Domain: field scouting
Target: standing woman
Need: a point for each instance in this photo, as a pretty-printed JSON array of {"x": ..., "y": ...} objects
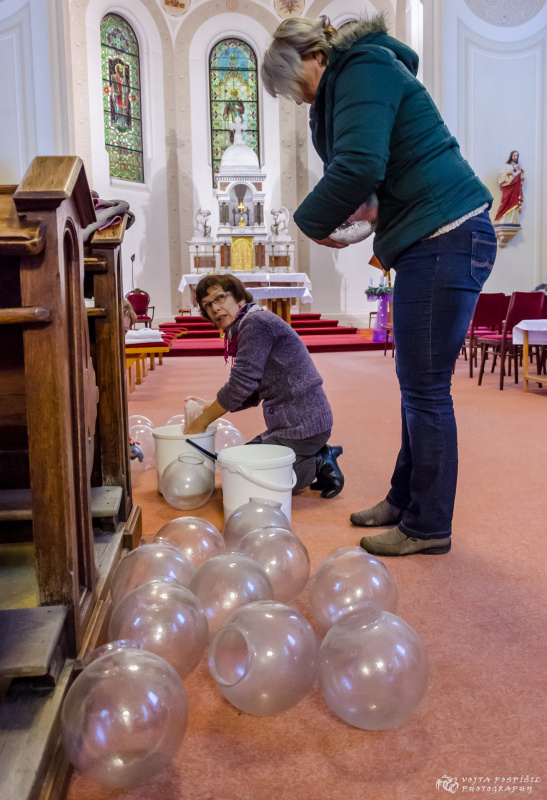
[{"x": 376, "y": 129}]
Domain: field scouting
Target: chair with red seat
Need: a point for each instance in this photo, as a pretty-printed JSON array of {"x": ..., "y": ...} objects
[
  {"x": 523, "y": 305},
  {"x": 488, "y": 318},
  {"x": 140, "y": 300}
]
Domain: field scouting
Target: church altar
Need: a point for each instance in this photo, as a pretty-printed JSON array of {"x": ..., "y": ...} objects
[
  {"x": 235, "y": 236},
  {"x": 290, "y": 280}
]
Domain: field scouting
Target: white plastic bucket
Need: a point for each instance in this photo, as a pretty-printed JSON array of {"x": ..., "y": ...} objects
[
  {"x": 170, "y": 442},
  {"x": 257, "y": 470}
]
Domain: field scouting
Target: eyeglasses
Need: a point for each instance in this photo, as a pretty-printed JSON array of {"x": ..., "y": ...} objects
[{"x": 219, "y": 300}]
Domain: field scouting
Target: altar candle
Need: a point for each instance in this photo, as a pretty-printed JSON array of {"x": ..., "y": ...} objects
[{"x": 370, "y": 282}]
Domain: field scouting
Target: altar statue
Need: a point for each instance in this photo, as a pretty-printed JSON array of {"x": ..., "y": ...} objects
[
  {"x": 202, "y": 227},
  {"x": 280, "y": 226}
]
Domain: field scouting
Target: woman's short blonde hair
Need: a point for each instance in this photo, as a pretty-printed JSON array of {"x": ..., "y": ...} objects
[{"x": 293, "y": 41}]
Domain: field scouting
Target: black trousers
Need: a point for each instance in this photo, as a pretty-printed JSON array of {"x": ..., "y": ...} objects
[{"x": 306, "y": 451}]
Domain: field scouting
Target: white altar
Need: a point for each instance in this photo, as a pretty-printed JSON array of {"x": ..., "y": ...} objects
[
  {"x": 263, "y": 279},
  {"x": 241, "y": 242},
  {"x": 289, "y": 288}
]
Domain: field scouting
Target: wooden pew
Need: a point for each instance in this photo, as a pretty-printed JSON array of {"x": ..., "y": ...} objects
[
  {"x": 55, "y": 570},
  {"x": 103, "y": 265}
]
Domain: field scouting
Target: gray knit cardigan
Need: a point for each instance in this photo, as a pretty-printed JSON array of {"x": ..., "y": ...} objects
[{"x": 272, "y": 365}]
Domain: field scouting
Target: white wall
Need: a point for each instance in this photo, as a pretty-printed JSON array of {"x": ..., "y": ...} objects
[{"x": 33, "y": 117}]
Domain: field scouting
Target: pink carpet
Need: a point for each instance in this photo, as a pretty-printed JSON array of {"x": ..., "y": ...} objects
[{"x": 480, "y": 610}]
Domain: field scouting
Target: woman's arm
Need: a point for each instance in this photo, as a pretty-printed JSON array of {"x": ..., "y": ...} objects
[
  {"x": 367, "y": 94},
  {"x": 255, "y": 342},
  {"x": 211, "y": 412}
]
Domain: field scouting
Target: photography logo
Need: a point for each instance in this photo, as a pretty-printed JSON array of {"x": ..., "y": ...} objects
[{"x": 448, "y": 784}]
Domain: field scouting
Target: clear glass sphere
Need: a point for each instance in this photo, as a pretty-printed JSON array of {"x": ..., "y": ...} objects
[
  {"x": 228, "y": 436},
  {"x": 264, "y": 658},
  {"x": 197, "y": 538},
  {"x": 373, "y": 669},
  {"x": 283, "y": 557},
  {"x": 222, "y": 423},
  {"x": 348, "y": 579},
  {"x": 140, "y": 419},
  {"x": 257, "y": 513},
  {"x": 226, "y": 582},
  {"x": 124, "y": 718},
  {"x": 153, "y": 561},
  {"x": 187, "y": 482},
  {"x": 165, "y": 619},
  {"x": 178, "y": 419},
  {"x": 110, "y": 647},
  {"x": 143, "y": 435}
]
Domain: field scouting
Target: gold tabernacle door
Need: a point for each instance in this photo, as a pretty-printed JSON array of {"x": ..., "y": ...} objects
[{"x": 243, "y": 253}]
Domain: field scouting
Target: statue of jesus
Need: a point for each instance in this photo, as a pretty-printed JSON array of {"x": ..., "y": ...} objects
[{"x": 511, "y": 179}]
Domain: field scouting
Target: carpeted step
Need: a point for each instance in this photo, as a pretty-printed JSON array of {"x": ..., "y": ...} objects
[
  {"x": 340, "y": 343},
  {"x": 214, "y": 333},
  {"x": 313, "y": 323},
  {"x": 325, "y": 331},
  {"x": 315, "y": 343},
  {"x": 190, "y": 318}
]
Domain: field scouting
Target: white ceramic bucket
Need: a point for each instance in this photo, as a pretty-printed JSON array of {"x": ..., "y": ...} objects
[
  {"x": 170, "y": 442},
  {"x": 257, "y": 470}
]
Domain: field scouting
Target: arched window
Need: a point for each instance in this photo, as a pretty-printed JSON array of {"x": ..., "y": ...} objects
[
  {"x": 122, "y": 99},
  {"x": 233, "y": 84}
]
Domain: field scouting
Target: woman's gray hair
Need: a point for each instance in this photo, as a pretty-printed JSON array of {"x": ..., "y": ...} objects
[{"x": 293, "y": 41}]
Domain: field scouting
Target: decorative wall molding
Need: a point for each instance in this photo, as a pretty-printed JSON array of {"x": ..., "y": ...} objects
[
  {"x": 385, "y": 7},
  {"x": 505, "y": 13},
  {"x": 18, "y": 139}
]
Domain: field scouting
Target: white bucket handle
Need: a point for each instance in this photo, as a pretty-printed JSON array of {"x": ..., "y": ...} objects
[{"x": 274, "y": 487}]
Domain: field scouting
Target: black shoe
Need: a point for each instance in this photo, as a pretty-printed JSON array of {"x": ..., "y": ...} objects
[
  {"x": 329, "y": 475},
  {"x": 317, "y": 485}
]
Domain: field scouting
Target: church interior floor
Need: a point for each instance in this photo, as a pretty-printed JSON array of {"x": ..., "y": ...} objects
[{"x": 480, "y": 610}]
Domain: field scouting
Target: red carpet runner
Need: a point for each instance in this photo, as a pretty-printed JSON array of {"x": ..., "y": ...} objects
[{"x": 200, "y": 338}]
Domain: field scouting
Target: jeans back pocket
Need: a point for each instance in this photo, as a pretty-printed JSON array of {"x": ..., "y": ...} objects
[{"x": 483, "y": 255}]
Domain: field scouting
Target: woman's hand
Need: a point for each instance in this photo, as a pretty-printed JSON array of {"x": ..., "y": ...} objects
[
  {"x": 328, "y": 242},
  {"x": 368, "y": 212},
  {"x": 211, "y": 411},
  {"x": 197, "y": 426}
]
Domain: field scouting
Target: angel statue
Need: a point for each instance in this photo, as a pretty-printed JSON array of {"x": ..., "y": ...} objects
[
  {"x": 280, "y": 225},
  {"x": 202, "y": 228}
]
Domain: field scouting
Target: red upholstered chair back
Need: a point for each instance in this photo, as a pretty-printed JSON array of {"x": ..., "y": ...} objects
[
  {"x": 506, "y": 301},
  {"x": 544, "y": 307},
  {"x": 523, "y": 305},
  {"x": 139, "y": 300},
  {"x": 489, "y": 311}
]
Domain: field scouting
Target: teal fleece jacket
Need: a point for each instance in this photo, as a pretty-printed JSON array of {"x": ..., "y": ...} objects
[{"x": 376, "y": 129}]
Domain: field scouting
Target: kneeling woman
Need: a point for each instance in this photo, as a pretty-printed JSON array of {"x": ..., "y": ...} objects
[{"x": 270, "y": 363}]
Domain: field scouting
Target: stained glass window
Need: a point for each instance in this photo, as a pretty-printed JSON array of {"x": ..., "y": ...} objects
[
  {"x": 122, "y": 99},
  {"x": 233, "y": 84}
]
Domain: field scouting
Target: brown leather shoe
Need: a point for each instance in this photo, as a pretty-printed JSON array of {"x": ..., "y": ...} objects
[
  {"x": 394, "y": 542},
  {"x": 379, "y": 516}
]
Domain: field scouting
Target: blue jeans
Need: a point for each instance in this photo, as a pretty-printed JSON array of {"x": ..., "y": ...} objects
[{"x": 437, "y": 286}]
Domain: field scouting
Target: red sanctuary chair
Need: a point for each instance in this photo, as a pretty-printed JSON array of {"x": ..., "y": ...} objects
[
  {"x": 523, "y": 305},
  {"x": 140, "y": 300},
  {"x": 488, "y": 318}
]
